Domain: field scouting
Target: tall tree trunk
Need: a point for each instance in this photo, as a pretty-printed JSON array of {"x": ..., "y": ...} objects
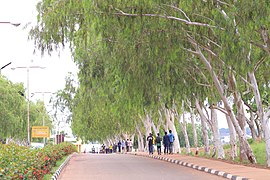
[
  {"x": 216, "y": 134},
  {"x": 264, "y": 117},
  {"x": 242, "y": 138},
  {"x": 266, "y": 130},
  {"x": 147, "y": 125},
  {"x": 140, "y": 139},
  {"x": 232, "y": 138},
  {"x": 165, "y": 123},
  {"x": 183, "y": 124},
  {"x": 240, "y": 114},
  {"x": 155, "y": 128},
  {"x": 204, "y": 128},
  {"x": 139, "y": 143},
  {"x": 194, "y": 130},
  {"x": 252, "y": 126},
  {"x": 184, "y": 130},
  {"x": 259, "y": 129},
  {"x": 170, "y": 119}
]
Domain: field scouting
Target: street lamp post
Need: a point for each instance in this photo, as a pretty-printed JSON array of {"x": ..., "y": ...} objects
[
  {"x": 11, "y": 23},
  {"x": 43, "y": 94},
  {"x": 43, "y": 114},
  {"x": 28, "y": 98},
  {"x": 4, "y": 67}
]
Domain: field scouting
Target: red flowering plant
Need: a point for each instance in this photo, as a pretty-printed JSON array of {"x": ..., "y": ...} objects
[{"x": 18, "y": 162}]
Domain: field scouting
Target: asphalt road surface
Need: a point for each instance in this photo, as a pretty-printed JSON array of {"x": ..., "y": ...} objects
[{"x": 127, "y": 167}]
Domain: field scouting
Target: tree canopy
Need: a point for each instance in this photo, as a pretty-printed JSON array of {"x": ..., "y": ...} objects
[{"x": 135, "y": 56}]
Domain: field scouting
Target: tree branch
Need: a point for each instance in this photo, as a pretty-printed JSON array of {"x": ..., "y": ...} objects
[
  {"x": 189, "y": 50},
  {"x": 241, "y": 77},
  {"x": 219, "y": 108},
  {"x": 201, "y": 84},
  {"x": 263, "y": 47},
  {"x": 267, "y": 114},
  {"x": 176, "y": 8},
  {"x": 259, "y": 63},
  {"x": 121, "y": 13},
  {"x": 249, "y": 106}
]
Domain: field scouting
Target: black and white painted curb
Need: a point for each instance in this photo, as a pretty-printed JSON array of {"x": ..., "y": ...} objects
[
  {"x": 197, "y": 167},
  {"x": 57, "y": 173}
]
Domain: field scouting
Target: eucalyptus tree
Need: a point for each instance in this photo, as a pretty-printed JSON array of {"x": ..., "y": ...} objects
[
  {"x": 13, "y": 110},
  {"x": 38, "y": 114},
  {"x": 141, "y": 71},
  {"x": 13, "y": 114},
  {"x": 144, "y": 41}
]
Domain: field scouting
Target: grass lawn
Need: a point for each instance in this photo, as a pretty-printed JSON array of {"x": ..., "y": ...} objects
[
  {"x": 54, "y": 169},
  {"x": 259, "y": 152},
  {"x": 257, "y": 147}
]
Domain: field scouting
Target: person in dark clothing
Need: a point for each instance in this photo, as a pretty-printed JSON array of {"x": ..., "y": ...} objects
[
  {"x": 127, "y": 145},
  {"x": 158, "y": 142},
  {"x": 119, "y": 146},
  {"x": 166, "y": 143},
  {"x": 150, "y": 143}
]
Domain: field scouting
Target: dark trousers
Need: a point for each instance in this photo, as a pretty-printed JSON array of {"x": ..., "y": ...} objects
[
  {"x": 171, "y": 147},
  {"x": 150, "y": 148},
  {"x": 166, "y": 148},
  {"x": 159, "y": 150}
]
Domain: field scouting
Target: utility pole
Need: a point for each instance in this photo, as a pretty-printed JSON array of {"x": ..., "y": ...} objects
[{"x": 28, "y": 98}]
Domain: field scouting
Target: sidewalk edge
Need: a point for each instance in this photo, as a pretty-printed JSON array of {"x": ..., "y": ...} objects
[
  {"x": 59, "y": 170},
  {"x": 196, "y": 167}
]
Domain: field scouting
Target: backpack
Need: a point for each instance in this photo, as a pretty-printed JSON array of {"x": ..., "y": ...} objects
[
  {"x": 154, "y": 140},
  {"x": 171, "y": 136},
  {"x": 158, "y": 141}
]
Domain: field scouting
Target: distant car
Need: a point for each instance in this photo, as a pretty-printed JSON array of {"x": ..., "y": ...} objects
[{"x": 36, "y": 145}]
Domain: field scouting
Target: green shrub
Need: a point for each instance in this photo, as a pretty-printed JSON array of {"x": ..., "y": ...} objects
[
  {"x": 250, "y": 141},
  {"x": 18, "y": 162},
  {"x": 259, "y": 152}
]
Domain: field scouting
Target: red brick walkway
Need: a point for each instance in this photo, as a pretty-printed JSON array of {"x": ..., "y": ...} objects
[{"x": 239, "y": 170}]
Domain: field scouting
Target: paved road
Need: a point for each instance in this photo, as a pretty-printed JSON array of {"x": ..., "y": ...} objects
[{"x": 127, "y": 167}]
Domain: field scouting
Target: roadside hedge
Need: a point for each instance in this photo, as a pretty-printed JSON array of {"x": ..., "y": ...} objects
[{"x": 18, "y": 162}]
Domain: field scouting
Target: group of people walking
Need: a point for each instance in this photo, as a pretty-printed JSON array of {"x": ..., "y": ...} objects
[
  {"x": 125, "y": 146},
  {"x": 121, "y": 147},
  {"x": 167, "y": 142}
]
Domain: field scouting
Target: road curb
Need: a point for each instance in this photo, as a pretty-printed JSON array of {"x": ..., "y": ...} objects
[
  {"x": 59, "y": 170},
  {"x": 197, "y": 167}
]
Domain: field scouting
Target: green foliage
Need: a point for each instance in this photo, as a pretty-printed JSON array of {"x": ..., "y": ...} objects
[
  {"x": 259, "y": 152},
  {"x": 13, "y": 114},
  {"x": 190, "y": 136},
  {"x": 54, "y": 169},
  {"x": 18, "y": 162},
  {"x": 13, "y": 108},
  {"x": 133, "y": 58}
]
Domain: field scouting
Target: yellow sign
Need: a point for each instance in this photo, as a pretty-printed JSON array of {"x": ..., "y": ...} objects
[{"x": 40, "y": 131}]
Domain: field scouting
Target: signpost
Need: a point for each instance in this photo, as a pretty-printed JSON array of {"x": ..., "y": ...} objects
[{"x": 40, "y": 132}]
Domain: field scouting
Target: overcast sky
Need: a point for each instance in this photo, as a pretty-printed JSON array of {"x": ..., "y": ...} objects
[{"x": 15, "y": 48}]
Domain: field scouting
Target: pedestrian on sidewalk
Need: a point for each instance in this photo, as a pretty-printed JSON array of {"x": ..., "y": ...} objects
[
  {"x": 171, "y": 137},
  {"x": 150, "y": 143},
  {"x": 130, "y": 145},
  {"x": 158, "y": 142},
  {"x": 123, "y": 146},
  {"x": 166, "y": 142},
  {"x": 119, "y": 146},
  {"x": 127, "y": 145}
]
